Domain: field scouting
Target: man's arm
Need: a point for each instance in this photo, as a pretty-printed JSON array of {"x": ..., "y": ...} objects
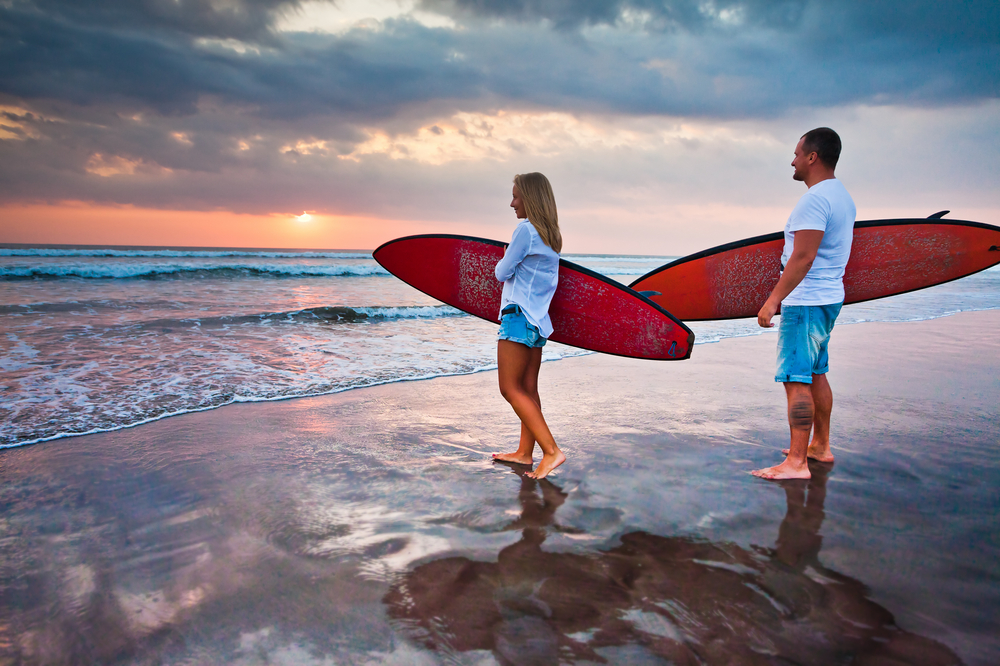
[{"x": 804, "y": 250}]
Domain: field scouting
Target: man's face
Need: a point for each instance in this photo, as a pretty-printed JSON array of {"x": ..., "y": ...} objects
[{"x": 802, "y": 161}]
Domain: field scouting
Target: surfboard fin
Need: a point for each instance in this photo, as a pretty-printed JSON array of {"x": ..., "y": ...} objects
[{"x": 938, "y": 215}]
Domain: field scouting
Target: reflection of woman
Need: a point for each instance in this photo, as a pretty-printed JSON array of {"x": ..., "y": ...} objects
[
  {"x": 681, "y": 599},
  {"x": 529, "y": 271}
]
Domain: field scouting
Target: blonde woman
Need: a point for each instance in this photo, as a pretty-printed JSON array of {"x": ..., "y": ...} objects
[{"x": 529, "y": 271}]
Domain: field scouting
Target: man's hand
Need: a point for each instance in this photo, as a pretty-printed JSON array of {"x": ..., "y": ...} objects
[
  {"x": 765, "y": 314},
  {"x": 804, "y": 250}
]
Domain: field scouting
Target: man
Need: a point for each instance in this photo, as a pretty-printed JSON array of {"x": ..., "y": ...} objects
[{"x": 810, "y": 291}]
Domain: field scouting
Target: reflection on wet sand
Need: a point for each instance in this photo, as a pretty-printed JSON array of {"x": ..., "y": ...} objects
[
  {"x": 147, "y": 574},
  {"x": 679, "y": 599}
]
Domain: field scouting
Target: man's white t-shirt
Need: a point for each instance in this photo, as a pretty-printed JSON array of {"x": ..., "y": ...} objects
[{"x": 826, "y": 207}]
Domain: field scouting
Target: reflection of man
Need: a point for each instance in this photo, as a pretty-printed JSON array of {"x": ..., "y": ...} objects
[
  {"x": 799, "y": 539},
  {"x": 810, "y": 292}
]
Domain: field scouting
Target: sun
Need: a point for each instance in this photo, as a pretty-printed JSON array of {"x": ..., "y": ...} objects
[{"x": 304, "y": 217}]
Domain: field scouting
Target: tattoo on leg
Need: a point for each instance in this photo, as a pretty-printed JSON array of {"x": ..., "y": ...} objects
[{"x": 801, "y": 414}]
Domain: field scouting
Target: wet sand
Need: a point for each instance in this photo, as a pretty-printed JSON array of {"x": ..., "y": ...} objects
[{"x": 371, "y": 526}]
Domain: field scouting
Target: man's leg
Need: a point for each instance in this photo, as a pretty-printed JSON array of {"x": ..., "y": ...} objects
[
  {"x": 801, "y": 412},
  {"x": 822, "y": 395}
]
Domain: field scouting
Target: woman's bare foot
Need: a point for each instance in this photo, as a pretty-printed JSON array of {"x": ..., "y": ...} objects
[
  {"x": 816, "y": 453},
  {"x": 548, "y": 464},
  {"x": 514, "y": 457},
  {"x": 783, "y": 471}
]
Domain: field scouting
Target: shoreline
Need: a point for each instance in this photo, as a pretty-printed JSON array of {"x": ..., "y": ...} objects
[
  {"x": 389, "y": 382},
  {"x": 266, "y": 524}
]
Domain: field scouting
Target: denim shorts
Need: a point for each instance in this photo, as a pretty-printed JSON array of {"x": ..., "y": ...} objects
[
  {"x": 514, "y": 326},
  {"x": 803, "y": 336}
]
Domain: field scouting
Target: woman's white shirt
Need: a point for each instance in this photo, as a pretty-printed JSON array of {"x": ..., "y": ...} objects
[{"x": 529, "y": 271}]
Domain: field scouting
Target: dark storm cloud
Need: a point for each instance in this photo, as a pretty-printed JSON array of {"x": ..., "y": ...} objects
[
  {"x": 219, "y": 72},
  {"x": 929, "y": 21},
  {"x": 235, "y": 19},
  {"x": 788, "y": 53},
  {"x": 663, "y": 15},
  {"x": 47, "y": 58}
]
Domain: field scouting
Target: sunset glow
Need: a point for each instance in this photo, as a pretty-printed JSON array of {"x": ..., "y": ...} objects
[
  {"x": 328, "y": 124},
  {"x": 81, "y": 223}
]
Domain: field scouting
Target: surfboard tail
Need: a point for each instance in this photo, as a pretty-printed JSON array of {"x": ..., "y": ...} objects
[{"x": 888, "y": 257}]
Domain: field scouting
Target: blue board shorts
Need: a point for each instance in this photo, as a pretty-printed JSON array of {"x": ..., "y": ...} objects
[
  {"x": 803, "y": 336},
  {"x": 514, "y": 326}
]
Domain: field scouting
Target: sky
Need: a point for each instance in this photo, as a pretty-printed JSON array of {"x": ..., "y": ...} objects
[{"x": 665, "y": 126}]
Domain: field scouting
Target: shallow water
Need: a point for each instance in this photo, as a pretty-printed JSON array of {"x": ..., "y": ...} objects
[
  {"x": 96, "y": 339},
  {"x": 373, "y": 529}
]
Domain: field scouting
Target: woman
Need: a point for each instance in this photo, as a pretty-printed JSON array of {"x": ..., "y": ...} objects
[{"x": 529, "y": 271}]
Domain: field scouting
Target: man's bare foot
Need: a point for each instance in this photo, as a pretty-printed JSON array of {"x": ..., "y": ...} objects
[
  {"x": 548, "y": 464},
  {"x": 514, "y": 457},
  {"x": 783, "y": 471},
  {"x": 814, "y": 453}
]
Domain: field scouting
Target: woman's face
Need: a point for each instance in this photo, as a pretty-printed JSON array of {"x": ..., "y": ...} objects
[{"x": 518, "y": 205}]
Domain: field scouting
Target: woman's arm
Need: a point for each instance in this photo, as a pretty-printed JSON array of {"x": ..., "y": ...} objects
[{"x": 515, "y": 253}]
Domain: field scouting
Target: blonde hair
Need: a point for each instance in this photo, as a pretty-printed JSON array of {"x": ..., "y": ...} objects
[{"x": 540, "y": 205}]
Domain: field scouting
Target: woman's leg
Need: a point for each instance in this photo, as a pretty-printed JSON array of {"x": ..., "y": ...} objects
[
  {"x": 530, "y": 384},
  {"x": 518, "y": 373},
  {"x": 525, "y": 453},
  {"x": 516, "y": 376}
]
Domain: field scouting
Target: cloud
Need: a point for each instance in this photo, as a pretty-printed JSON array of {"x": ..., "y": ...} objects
[
  {"x": 603, "y": 162},
  {"x": 361, "y": 75},
  {"x": 659, "y": 109},
  {"x": 761, "y": 61},
  {"x": 234, "y": 19},
  {"x": 929, "y": 22},
  {"x": 696, "y": 15}
]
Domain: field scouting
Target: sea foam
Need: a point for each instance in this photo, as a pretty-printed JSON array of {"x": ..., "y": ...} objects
[{"x": 185, "y": 269}]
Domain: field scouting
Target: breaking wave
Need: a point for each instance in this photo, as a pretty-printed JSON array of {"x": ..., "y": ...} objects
[
  {"x": 182, "y": 270},
  {"x": 180, "y": 253}
]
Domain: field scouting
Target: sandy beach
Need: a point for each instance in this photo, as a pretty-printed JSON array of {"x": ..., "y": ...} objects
[{"x": 370, "y": 526}]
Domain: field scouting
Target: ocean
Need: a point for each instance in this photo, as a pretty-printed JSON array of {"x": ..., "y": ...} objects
[{"x": 102, "y": 338}]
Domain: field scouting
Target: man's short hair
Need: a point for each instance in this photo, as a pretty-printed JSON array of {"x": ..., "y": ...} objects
[{"x": 825, "y": 143}]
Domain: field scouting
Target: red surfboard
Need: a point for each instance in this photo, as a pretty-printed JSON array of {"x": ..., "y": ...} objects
[
  {"x": 888, "y": 257},
  {"x": 588, "y": 310}
]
